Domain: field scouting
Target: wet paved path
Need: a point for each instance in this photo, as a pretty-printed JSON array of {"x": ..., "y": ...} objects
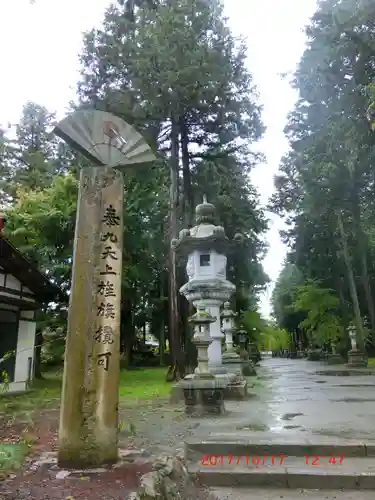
[{"x": 292, "y": 399}]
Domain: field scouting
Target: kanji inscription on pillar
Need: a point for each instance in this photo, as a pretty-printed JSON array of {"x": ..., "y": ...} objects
[{"x": 108, "y": 285}]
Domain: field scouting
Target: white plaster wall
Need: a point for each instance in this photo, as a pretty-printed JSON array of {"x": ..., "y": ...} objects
[
  {"x": 25, "y": 349},
  {"x": 27, "y": 315},
  {"x": 15, "y": 387},
  {"x": 8, "y": 306},
  {"x": 13, "y": 282}
]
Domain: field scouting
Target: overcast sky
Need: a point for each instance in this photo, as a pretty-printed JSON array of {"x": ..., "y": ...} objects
[{"x": 40, "y": 42}]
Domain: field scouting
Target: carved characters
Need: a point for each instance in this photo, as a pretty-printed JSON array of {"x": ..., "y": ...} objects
[{"x": 107, "y": 286}]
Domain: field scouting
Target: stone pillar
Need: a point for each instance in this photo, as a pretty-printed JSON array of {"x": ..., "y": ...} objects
[
  {"x": 108, "y": 312},
  {"x": 88, "y": 416},
  {"x": 77, "y": 399}
]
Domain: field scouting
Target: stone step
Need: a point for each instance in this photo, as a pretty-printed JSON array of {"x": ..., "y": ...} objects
[
  {"x": 293, "y": 472},
  {"x": 195, "y": 449},
  {"x": 288, "y": 494}
]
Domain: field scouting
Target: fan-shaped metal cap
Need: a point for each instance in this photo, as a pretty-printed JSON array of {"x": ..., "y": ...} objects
[{"x": 104, "y": 138}]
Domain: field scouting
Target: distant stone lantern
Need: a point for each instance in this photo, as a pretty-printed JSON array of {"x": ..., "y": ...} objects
[
  {"x": 231, "y": 359},
  {"x": 352, "y": 332},
  {"x": 356, "y": 357},
  {"x": 242, "y": 338},
  {"x": 227, "y": 317}
]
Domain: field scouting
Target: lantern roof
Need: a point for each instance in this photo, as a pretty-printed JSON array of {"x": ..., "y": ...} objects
[{"x": 205, "y": 235}]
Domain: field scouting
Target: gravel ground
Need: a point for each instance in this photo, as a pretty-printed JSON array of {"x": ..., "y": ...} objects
[{"x": 151, "y": 427}]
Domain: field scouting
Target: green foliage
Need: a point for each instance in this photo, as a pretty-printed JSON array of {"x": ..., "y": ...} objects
[
  {"x": 274, "y": 338},
  {"x": 328, "y": 173},
  {"x": 159, "y": 65},
  {"x": 41, "y": 225},
  {"x": 321, "y": 308}
]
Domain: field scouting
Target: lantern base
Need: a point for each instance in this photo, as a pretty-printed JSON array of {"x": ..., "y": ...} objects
[
  {"x": 236, "y": 391},
  {"x": 356, "y": 359},
  {"x": 248, "y": 368},
  {"x": 334, "y": 359},
  {"x": 204, "y": 396}
]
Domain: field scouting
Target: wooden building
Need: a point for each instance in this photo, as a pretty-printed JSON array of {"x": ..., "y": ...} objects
[{"x": 23, "y": 288}]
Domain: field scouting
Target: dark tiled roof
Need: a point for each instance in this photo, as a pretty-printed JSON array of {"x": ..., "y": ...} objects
[{"x": 13, "y": 262}]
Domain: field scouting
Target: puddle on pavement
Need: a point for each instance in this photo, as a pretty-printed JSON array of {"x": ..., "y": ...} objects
[
  {"x": 253, "y": 427},
  {"x": 353, "y": 385},
  {"x": 345, "y": 373},
  {"x": 290, "y": 416},
  {"x": 346, "y": 434},
  {"x": 353, "y": 400}
]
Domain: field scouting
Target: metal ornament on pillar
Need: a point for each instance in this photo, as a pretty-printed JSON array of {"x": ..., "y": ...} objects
[{"x": 206, "y": 246}]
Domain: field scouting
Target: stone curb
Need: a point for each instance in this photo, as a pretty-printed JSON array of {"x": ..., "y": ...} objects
[{"x": 286, "y": 478}]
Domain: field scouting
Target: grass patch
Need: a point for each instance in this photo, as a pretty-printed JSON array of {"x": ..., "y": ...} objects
[
  {"x": 144, "y": 383},
  {"x": 12, "y": 456},
  {"x": 43, "y": 394},
  {"x": 371, "y": 362}
]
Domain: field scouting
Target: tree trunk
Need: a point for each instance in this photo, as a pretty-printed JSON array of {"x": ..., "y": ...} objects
[
  {"x": 187, "y": 188},
  {"x": 162, "y": 332},
  {"x": 352, "y": 286},
  {"x": 174, "y": 333}
]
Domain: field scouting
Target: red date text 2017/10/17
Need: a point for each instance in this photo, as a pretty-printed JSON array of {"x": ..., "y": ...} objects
[{"x": 258, "y": 461}]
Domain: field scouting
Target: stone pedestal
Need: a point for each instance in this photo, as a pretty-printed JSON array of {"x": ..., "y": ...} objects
[
  {"x": 204, "y": 396},
  {"x": 248, "y": 368},
  {"x": 314, "y": 355},
  {"x": 232, "y": 363},
  {"x": 356, "y": 358},
  {"x": 236, "y": 391},
  {"x": 334, "y": 359}
]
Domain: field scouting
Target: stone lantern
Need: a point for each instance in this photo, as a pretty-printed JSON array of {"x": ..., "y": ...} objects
[
  {"x": 205, "y": 246},
  {"x": 334, "y": 357},
  {"x": 356, "y": 358},
  {"x": 201, "y": 321},
  {"x": 247, "y": 365},
  {"x": 203, "y": 391},
  {"x": 231, "y": 359}
]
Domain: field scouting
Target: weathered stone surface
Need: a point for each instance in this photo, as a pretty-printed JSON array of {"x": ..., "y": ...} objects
[
  {"x": 357, "y": 359},
  {"x": 248, "y": 368},
  {"x": 150, "y": 486},
  {"x": 236, "y": 391},
  {"x": 169, "y": 489},
  {"x": 314, "y": 355},
  {"x": 334, "y": 359},
  {"x": 167, "y": 482},
  {"x": 176, "y": 394}
]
